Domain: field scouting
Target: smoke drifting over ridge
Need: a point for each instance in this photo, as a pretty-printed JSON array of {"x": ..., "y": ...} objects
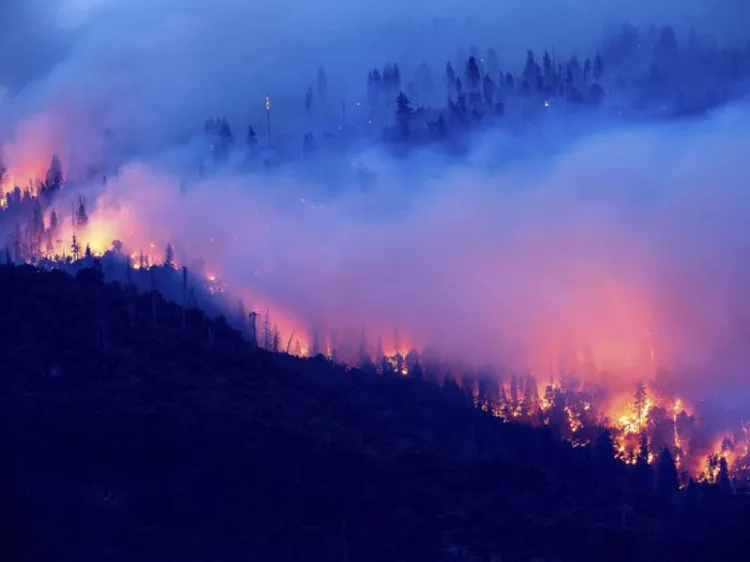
[
  {"x": 620, "y": 235},
  {"x": 625, "y": 234},
  {"x": 149, "y": 70}
]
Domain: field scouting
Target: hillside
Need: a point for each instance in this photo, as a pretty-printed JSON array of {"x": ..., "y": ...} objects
[{"x": 134, "y": 430}]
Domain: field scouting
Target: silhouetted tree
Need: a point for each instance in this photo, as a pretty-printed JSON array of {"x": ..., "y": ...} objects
[
  {"x": 450, "y": 79},
  {"x": 54, "y": 177},
  {"x": 81, "y": 217},
  {"x": 604, "y": 450},
  {"x": 396, "y": 77},
  {"x": 723, "y": 480},
  {"x": 404, "y": 113},
  {"x": 547, "y": 67},
  {"x": 169, "y": 257},
  {"x": 472, "y": 74},
  {"x": 667, "y": 479},
  {"x": 252, "y": 138}
]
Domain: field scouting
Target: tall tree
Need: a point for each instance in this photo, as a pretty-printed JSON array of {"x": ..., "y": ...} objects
[
  {"x": 404, "y": 113},
  {"x": 252, "y": 138},
  {"x": 54, "y": 177},
  {"x": 396, "y": 77},
  {"x": 667, "y": 479},
  {"x": 547, "y": 68},
  {"x": 81, "y": 218},
  {"x": 450, "y": 78},
  {"x": 169, "y": 257},
  {"x": 472, "y": 74},
  {"x": 723, "y": 480}
]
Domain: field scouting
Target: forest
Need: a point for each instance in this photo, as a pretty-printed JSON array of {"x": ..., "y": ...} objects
[
  {"x": 149, "y": 413},
  {"x": 134, "y": 428}
]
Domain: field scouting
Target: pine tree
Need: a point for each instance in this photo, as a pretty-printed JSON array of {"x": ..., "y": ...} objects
[
  {"x": 396, "y": 77},
  {"x": 403, "y": 114},
  {"x": 169, "y": 257},
  {"x": 54, "y": 178},
  {"x": 643, "y": 449},
  {"x": 450, "y": 78},
  {"x": 472, "y": 75},
  {"x": 547, "y": 67},
  {"x": 252, "y": 138},
  {"x": 87, "y": 254},
  {"x": 723, "y": 480},
  {"x": 529, "y": 70},
  {"x": 667, "y": 479},
  {"x": 604, "y": 450},
  {"x": 81, "y": 218},
  {"x": 54, "y": 223}
]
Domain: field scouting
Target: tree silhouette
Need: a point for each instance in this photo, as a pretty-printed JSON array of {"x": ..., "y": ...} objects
[
  {"x": 450, "y": 78},
  {"x": 472, "y": 74},
  {"x": 54, "y": 178},
  {"x": 81, "y": 218},
  {"x": 667, "y": 480},
  {"x": 404, "y": 113},
  {"x": 169, "y": 257}
]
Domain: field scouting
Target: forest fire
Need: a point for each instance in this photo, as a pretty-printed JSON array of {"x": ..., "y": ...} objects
[{"x": 583, "y": 396}]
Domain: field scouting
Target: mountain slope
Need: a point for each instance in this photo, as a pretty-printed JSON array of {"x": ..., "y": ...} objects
[{"x": 133, "y": 432}]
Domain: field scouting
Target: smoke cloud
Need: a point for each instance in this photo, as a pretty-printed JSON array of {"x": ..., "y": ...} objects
[{"x": 629, "y": 241}]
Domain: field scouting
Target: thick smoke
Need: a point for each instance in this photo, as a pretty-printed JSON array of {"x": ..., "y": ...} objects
[
  {"x": 631, "y": 241},
  {"x": 624, "y": 241}
]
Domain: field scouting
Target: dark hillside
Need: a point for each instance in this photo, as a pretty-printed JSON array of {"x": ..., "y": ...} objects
[{"x": 134, "y": 431}]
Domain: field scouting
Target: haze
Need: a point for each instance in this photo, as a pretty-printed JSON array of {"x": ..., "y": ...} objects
[{"x": 608, "y": 238}]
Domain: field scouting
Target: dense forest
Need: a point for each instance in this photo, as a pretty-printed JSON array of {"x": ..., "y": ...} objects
[
  {"x": 147, "y": 415},
  {"x": 135, "y": 429}
]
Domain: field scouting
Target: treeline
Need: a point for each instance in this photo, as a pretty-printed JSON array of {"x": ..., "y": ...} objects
[{"x": 636, "y": 74}]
